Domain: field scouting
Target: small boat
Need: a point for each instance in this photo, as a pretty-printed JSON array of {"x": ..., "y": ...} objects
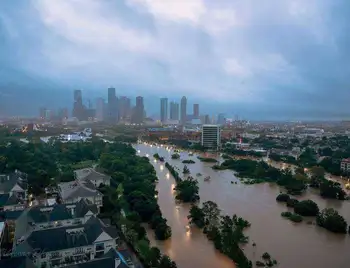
[
  {"x": 198, "y": 174},
  {"x": 207, "y": 178}
]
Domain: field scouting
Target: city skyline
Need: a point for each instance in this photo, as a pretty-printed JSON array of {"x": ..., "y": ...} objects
[{"x": 300, "y": 62}]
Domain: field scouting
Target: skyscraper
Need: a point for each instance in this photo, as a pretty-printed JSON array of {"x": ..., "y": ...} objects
[
  {"x": 221, "y": 119},
  {"x": 139, "y": 109},
  {"x": 78, "y": 107},
  {"x": 174, "y": 111},
  {"x": 124, "y": 108},
  {"x": 183, "y": 110},
  {"x": 112, "y": 106},
  {"x": 163, "y": 110},
  {"x": 196, "y": 111},
  {"x": 100, "y": 109}
]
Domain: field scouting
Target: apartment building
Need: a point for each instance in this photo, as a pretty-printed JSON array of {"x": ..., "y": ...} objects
[{"x": 211, "y": 136}]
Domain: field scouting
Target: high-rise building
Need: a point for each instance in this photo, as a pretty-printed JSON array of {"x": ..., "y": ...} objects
[
  {"x": 78, "y": 106},
  {"x": 196, "y": 111},
  {"x": 174, "y": 111},
  {"x": 112, "y": 106},
  {"x": 163, "y": 110},
  {"x": 124, "y": 108},
  {"x": 100, "y": 109},
  {"x": 183, "y": 117},
  {"x": 139, "y": 111},
  {"x": 211, "y": 136},
  {"x": 221, "y": 119},
  {"x": 42, "y": 112}
]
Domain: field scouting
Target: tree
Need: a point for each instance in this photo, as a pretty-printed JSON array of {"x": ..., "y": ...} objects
[
  {"x": 282, "y": 198},
  {"x": 330, "y": 189},
  {"x": 306, "y": 208},
  {"x": 186, "y": 170},
  {"x": 330, "y": 219},
  {"x": 162, "y": 231},
  {"x": 196, "y": 216},
  {"x": 166, "y": 262},
  {"x": 211, "y": 212}
]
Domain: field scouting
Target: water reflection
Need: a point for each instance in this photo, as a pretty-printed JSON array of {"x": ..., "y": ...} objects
[{"x": 161, "y": 167}]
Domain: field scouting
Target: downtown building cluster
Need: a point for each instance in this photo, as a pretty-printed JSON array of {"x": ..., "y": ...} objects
[{"x": 115, "y": 110}]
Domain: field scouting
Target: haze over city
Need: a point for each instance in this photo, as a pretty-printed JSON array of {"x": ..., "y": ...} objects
[{"x": 277, "y": 60}]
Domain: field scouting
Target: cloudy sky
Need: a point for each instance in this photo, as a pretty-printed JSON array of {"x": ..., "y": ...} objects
[{"x": 271, "y": 58}]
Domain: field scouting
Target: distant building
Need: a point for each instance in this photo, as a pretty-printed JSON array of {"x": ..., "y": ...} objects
[
  {"x": 163, "y": 110},
  {"x": 221, "y": 119},
  {"x": 124, "y": 108},
  {"x": 174, "y": 111},
  {"x": 112, "y": 109},
  {"x": 211, "y": 136},
  {"x": 78, "y": 107},
  {"x": 139, "y": 111},
  {"x": 183, "y": 117},
  {"x": 100, "y": 109},
  {"x": 205, "y": 119},
  {"x": 345, "y": 165},
  {"x": 195, "y": 111}
]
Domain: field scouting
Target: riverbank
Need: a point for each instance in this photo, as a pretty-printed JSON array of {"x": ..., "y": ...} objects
[{"x": 291, "y": 244}]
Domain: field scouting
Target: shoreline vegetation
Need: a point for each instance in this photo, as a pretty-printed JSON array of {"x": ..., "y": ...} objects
[
  {"x": 226, "y": 233},
  {"x": 253, "y": 172},
  {"x": 328, "y": 218},
  {"x": 207, "y": 159}
]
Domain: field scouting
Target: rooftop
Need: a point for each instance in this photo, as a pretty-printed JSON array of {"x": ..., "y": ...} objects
[
  {"x": 8, "y": 181},
  {"x": 66, "y": 237},
  {"x": 75, "y": 189},
  {"x": 90, "y": 174}
]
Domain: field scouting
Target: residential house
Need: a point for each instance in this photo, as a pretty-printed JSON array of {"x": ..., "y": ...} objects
[
  {"x": 14, "y": 183},
  {"x": 345, "y": 165},
  {"x": 58, "y": 215},
  {"x": 112, "y": 259},
  {"x": 93, "y": 176},
  {"x": 74, "y": 191},
  {"x": 11, "y": 202},
  {"x": 69, "y": 244}
]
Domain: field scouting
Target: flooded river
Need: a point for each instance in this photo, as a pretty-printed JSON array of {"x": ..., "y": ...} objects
[{"x": 293, "y": 245}]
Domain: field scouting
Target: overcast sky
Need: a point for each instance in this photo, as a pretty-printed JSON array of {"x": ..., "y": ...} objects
[{"x": 269, "y": 58}]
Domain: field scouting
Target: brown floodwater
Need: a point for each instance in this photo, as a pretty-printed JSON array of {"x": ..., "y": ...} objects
[{"x": 293, "y": 245}]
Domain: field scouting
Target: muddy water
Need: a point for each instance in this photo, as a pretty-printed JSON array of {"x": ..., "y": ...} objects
[{"x": 293, "y": 245}]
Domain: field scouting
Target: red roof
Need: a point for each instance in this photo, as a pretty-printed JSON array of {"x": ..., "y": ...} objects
[{"x": 347, "y": 160}]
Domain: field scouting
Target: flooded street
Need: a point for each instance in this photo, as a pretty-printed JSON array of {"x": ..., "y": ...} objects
[{"x": 292, "y": 245}]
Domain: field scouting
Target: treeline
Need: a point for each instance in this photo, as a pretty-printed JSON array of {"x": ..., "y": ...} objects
[
  {"x": 328, "y": 218},
  {"x": 187, "y": 188},
  {"x": 132, "y": 202},
  {"x": 226, "y": 233}
]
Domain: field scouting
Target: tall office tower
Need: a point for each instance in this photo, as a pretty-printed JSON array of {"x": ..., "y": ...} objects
[
  {"x": 174, "y": 111},
  {"x": 62, "y": 113},
  {"x": 221, "y": 119},
  {"x": 124, "y": 108},
  {"x": 163, "y": 110},
  {"x": 112, "y": 116},
  {"x": 100, "y": 109},
  {"x": 139, "y": 111},
  {"x": 183, "y": 117},
  {"x": 42, "y": 112},
  {"x": 78, "y": 107},
  {"x": 211, "y": 136},
  {"x": 196, "y": 111}
]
